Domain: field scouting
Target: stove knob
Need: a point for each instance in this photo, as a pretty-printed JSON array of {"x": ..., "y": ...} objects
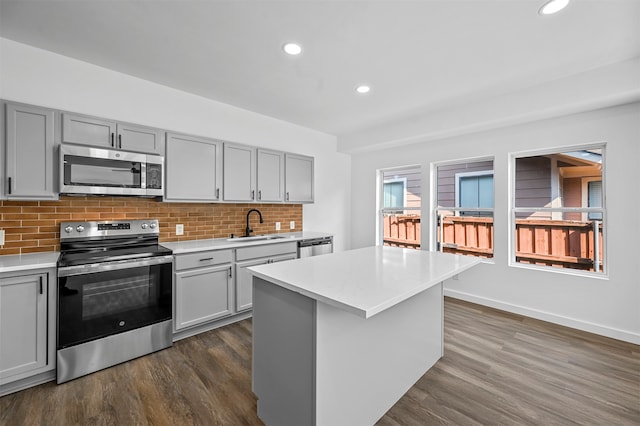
[
  {"x": 68, "y": 229},
  {"x": 152, "y": 225},
  {"x": 80, "y": 228},
  {"x": 145, "y": 226}
]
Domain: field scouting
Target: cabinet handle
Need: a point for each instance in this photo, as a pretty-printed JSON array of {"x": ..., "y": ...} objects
[
  {"x": 119, "y": 141},
  {"x": 253, "y": 194},
  {"x": 287, "y": 196},
  {"x": 9, "y": 186},
  {"x": 206, "y": 259},
  {"x": 41, "y": 289},
  {"x": 217, "y": 192},
  {"x": 230, "y": 272},
  {"x": 259, "y": 194},
  {"x": 113, "y": 143}
]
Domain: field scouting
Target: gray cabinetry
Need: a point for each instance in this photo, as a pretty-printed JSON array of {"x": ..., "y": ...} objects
[
  {"x": 29, "y": 155},
  {"x": 193, "y": 169},
  {"x": 92, "y": 131},
  {"x": 27, "y": 326},
  {"x": 203, "y": 284},
  {"x": 299, "y": 179},
  {"x": 252, "y": 256},
  {"x": 239, "y": 173},
  {"x": 270, "y": 174}
]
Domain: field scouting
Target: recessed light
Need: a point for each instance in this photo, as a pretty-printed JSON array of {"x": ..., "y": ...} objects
[
  {"x": 292, "y": 48},
  {"x": 363, "y": 89},
  {"x": 553, "y": 6}
]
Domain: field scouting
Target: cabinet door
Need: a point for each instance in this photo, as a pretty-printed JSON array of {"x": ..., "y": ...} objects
[
  {"x": 193, "y": 169},
  {"x": 140, "y": 139},
  {"x": 202, "y": 295},
  {"x": 83, "y": 130},
  {"x": 30, "y": 166},
  {"x": 298, "y": 178},
  {"x": 270, "y": 175},
  {"x": 244, "y": 280},
  {"x": 23, "y": 325},
  {"x": 239, "y": 172}
]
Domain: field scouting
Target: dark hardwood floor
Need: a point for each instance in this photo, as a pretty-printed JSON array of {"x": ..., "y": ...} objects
[{"x": 498, "y": 369}]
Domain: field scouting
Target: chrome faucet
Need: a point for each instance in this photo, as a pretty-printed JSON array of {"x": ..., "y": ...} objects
[{"x": 248, "y": 230}]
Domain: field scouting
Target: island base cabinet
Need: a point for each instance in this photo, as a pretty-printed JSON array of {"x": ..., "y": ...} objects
[
  {"x": 315, "y": 364},
  {"x": 202, "y": 295}
]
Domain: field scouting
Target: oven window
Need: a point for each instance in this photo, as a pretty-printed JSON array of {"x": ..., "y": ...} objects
[
  {"x": 112, "y": 296},
  {"x": 96, "y": 305},
  {"x": 85, "y": 171}
]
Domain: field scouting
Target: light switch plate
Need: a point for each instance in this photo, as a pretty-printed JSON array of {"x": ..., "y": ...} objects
[
  {"x": 179, "y": 229},
  {"x": 1, "y": 237},
  {"x": 292, "y": 225},
  {"x": 277, "y": 226}
]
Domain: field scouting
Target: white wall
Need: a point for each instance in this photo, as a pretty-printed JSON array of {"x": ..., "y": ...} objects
[
  {"x": 39, "y": 77},
  {"x": 605, "y": 306}
]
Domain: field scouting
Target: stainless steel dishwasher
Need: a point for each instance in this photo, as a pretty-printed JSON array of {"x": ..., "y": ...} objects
[{"x": 315, "y": 246}]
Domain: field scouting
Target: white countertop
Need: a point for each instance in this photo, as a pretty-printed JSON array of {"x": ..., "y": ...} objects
[
  {"x": 25, "y": 262},
  {"x": 181, "y": 247},
  {"x": 365, "y": 281}
]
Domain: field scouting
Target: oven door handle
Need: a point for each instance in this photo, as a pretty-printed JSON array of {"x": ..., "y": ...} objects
[{"x": 93, "y": 268}]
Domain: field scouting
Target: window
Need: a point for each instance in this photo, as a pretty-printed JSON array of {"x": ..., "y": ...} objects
[
  {"x": 475, "y": 190},
  {"x": 399, "y": 207},
  {"x": 464, "y": 207},
  {"x": 394, "y": 190},
  {"x": 558, "y": 210}
]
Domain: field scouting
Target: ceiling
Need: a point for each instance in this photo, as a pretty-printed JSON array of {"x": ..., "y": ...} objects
[{"x": 417, "y": 56}]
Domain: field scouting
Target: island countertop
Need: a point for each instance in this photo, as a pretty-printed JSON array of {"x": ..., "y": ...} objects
[{"x": 365, "y": 281}]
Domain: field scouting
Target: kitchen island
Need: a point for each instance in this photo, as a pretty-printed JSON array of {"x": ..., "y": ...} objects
[{"x": 339, "y": 338}]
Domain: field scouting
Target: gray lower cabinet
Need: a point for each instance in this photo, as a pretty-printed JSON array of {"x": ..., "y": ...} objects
[
  {"x": 108, "y": 134},
  {"x": 193, "y": 169},
  {"x": 299, "y": 186},
  {"x": 239, "y": 173},
  {"x": 27, "y": 327},
  {"x": 252, "y": 256},
  {"x": 203, "y": 287},
  {"x": 29, "y": 153},
  {"x": 270, "y": 173}
]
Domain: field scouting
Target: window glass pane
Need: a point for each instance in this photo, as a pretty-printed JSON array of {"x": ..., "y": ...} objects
[
  {"x": 467, "y": 185},
  {"x": 552, "y": 226},
  {"x": 400, "y": 214},
  {"x": 595, "y": 198}
]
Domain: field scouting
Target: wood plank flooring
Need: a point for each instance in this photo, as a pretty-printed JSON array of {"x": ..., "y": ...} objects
[{"x": 498, "y": 369}]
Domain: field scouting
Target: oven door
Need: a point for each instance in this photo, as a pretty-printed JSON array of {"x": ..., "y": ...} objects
[{"x": 102, "y": 299}]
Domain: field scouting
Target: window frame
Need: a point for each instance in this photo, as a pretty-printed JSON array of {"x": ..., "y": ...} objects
[
  {"x": 513, "y": 210},
  {"x": 434, "y": 229},
  {"x": 381, "y": 210}
]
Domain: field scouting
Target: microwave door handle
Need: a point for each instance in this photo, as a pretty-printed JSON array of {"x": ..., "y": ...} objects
[{"x": 143, "y": 175}]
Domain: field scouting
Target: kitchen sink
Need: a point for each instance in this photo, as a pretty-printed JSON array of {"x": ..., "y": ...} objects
[{"x": 256, "y": 238}]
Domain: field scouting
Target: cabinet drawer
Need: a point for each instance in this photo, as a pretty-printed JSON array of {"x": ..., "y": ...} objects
[
  {"x": 268, "y": 250},
  {"x": 203, "y": 258}
]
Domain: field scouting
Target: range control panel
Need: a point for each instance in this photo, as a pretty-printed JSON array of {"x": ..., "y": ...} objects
[{"x": 108, "y": 228}]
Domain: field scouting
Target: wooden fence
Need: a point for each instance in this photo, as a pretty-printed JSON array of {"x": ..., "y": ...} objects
[{"x": 565, "y": 244}]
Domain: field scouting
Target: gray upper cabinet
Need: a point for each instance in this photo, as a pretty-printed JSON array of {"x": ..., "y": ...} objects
[
  {"x": 270, "y": 176},
  {"x": 298, "y": 179},
  {"x": 239, "y": 173},
  {"x": 29, "y": 155},
  {"x": 193, "y": 169},
  {"x": 84, "y": 130}
]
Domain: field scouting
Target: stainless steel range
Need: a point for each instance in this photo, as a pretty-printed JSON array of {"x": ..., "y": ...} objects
[{"x": 114, "y": 295}]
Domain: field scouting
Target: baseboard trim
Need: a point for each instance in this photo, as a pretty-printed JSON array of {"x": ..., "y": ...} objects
[
  {"x": 27, "y": 382},
  {"x": 614, "y": 333},
  {"x": 192, "y": 331}
]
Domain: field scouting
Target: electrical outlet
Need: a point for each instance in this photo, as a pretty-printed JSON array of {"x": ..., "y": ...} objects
[
  {"x": 277, "y": 226},
  {"x": 292, "y": 224},
  {"x": 1, "y": 237},
  {"x": 179, "y": 229}
]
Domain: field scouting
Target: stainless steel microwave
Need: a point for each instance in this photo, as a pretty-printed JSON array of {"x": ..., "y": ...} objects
[{"x": 98, "y": 171}]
